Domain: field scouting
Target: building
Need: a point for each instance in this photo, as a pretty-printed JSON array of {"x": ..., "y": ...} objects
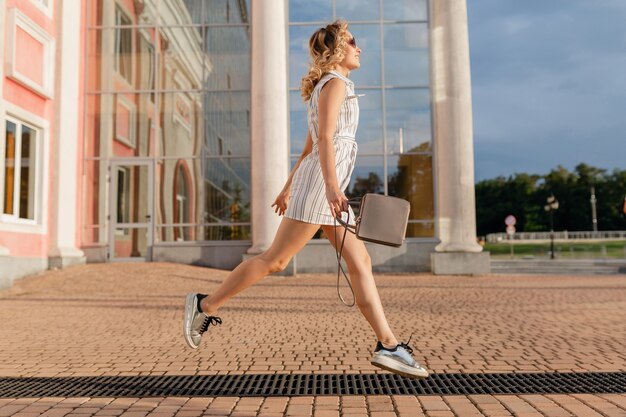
[{"x": 154, "y": 130}]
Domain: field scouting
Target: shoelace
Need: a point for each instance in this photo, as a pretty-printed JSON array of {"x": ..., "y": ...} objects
[
  {"x": 207, "y": 321},
  {"x": 406, "y": 345}
]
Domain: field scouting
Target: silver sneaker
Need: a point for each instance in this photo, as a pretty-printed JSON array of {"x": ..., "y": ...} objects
[
  {"x": 398, "y": 360},
  {"x": 195, "y": 322}
]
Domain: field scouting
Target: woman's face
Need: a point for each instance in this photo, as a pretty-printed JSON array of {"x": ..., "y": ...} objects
[{"x": 352, "y": 60}]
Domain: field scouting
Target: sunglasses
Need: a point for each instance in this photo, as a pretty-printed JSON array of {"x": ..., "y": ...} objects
[{"x": 352, "y": 42}]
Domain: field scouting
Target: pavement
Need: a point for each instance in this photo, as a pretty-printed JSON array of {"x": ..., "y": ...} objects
[{"x": 125, "y": 319}]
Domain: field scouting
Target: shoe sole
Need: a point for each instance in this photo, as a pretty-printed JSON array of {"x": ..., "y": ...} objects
[
  {"x": 398, "y": 368},
  {"x": 189, "y": 310}
]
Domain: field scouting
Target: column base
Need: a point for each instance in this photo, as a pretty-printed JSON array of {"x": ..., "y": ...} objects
[
  {"x": 63, "y": 257},
  {"x": 460, "y": 263}
]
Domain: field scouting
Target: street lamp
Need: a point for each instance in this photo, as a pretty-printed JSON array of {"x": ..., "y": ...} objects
[{"x": 552, "y": 205}]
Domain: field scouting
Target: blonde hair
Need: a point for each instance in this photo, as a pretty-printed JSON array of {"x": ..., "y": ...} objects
[{"x": 326, "y": 48}]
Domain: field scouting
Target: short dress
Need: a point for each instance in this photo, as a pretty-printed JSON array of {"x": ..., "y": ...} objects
[{"x": 307, "y": 201}]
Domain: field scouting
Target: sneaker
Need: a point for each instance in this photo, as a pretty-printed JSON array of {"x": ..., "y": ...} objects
[
  {"x": 195, "y": 322},
  {"x": 398, "y": 360}
]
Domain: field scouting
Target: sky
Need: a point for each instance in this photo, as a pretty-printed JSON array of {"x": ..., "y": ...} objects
[{"x": 548, "y": 85}]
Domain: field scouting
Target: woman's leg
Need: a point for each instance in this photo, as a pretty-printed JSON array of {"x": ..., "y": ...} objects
[
  {"x": 360, "y": 269},
  {"x": 291, "y": 236}
]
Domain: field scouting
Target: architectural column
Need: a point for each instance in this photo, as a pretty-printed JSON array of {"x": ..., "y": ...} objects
[
  {"x": 458, "y": 252},
  {"x": 270, "y": 147},
  {"x": 65, "y": 217}
]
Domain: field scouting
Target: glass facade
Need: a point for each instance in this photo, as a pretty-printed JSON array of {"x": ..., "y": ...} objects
[
  {"x": 395, "y": 133},
  {"x": 167, "y": 105}
]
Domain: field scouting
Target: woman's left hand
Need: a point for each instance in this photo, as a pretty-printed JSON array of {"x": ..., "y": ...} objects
[{"x": 280, "y": 204}]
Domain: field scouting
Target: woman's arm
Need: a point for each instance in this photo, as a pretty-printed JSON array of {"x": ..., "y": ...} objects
[
  {"x": 280, "y": 204},
  {"x": 329, "y": 104}
]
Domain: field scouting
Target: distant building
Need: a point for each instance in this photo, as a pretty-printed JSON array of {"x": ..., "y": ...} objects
[{"x": 147, "y": 130}]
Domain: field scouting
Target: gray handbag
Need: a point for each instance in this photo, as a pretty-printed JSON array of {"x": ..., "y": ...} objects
[{"x": 382, "y": 219}]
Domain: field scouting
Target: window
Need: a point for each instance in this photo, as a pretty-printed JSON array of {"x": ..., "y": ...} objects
[
  {"x": 20, "y": 170},
  {"x": 123, "y": 45}
]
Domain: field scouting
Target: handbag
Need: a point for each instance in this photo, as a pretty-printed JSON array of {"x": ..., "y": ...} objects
[{"x": 382, "y": 219}]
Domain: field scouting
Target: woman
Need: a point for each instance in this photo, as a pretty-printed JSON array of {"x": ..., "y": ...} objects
[{"x": 312, "y": 197}]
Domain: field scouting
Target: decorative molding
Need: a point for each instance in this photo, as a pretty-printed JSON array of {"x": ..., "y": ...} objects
[
  {"x": 15, "y": 19},
  {"x": 132, "y": 121},
  {"x": 46, "y": 6}
]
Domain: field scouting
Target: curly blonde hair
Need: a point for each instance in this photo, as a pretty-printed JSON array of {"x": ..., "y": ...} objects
[{"x": 326, "y": 48}]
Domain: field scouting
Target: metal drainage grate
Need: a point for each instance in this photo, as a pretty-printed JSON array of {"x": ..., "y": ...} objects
[{"x": 265, "y": 385}]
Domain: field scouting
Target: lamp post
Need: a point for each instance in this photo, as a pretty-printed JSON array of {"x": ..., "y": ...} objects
[{"x": 552, "y": 205}]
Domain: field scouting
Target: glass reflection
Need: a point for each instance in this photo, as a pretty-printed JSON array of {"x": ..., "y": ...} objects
[
  {"x": 405, "y": 10},
  {"x": 204, "y": 12},
  {"x": 122, "y": 59},
  {"x": 408, "y": 120},
  {"x": 353, "y": 10},
  {"x": 299, "y": 53},
  {"x": 298, "y": 127},
  {"x": 228, "y": 58},
  {"x": 410, "y": 177},
  {"x": 368, "y": 39},
  {"x": 368, "y": 177},
  {"x": 310, "y": 11},
  {"x": 369, "y": 134},
  {"x": 406, "y": 54}
]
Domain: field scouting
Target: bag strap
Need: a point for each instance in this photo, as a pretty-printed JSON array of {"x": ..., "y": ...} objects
[{"x": 347, "y": 228}]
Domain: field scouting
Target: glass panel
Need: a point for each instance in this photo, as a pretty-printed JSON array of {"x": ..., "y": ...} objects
[
  {"x": 357, "y": 10},
  {"x": 299, "y": 53},
  {"x": 204, "y": 12},
  {"x": 28, "y": 166},
  {"x": 199, "y": 192},
  {"x": 9, "y": 167},
  {"x": 406, "y": 54},
  {"x": 368, "y": 176},
  {"x": 368, "y": 39},
  {"x": 405, "y": 9},
  {"x": 184, "y": 51},
  {"x": 410, "y": 177},
  {"x": 94, "y": 209},
  {"x": 181, "y": 128},
  {"x": 205, "y": 232},
  {"x": 408, "y": 120},
  {"x": 298, "y": 127},
  {"x": 130, "y": 243},
  {"x": 226, "y": 123},
  {"x": 369, "y": 134},
  {"x": 310, "y": 11},
  {"x": 132, "y": 66},
  {"x": 123, "y": 45},
  {"x": 228, "y": 51},
  {"x": 426, "y": 229},
  {"x": 122, "y": 125}
]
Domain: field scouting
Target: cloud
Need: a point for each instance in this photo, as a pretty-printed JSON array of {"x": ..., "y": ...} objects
[{"x": 548, "y": 84}]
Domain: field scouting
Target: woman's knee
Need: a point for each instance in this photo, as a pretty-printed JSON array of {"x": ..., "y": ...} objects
[
  {"x": 361, "y": 263},
  {"x": 276, "y": 264}
]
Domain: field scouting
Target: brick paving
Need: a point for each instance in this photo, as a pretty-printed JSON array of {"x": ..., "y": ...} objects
[{"x": 125, "y": 319}]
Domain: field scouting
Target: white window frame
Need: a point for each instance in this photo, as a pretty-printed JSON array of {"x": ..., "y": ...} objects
[
  {"x": 132, "y": 110},
  {"x": 11, "y": 222},
  {"x": 15, "y": 19},
  {"x": 45, "y": 8},
  {"x": 116, "y": 57}
]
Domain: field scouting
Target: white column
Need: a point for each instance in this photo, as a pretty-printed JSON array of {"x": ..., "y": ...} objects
[
  {"x": 270, "y": 147},
  {"x": 452, "y": 97},
  {"x": 65, "y": 217}
]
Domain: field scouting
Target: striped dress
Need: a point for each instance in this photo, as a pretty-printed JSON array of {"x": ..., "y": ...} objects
[{"x": 307, "y": 201}]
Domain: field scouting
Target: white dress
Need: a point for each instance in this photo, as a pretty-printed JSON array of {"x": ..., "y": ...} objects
[{"x": 307, "y": 201}]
